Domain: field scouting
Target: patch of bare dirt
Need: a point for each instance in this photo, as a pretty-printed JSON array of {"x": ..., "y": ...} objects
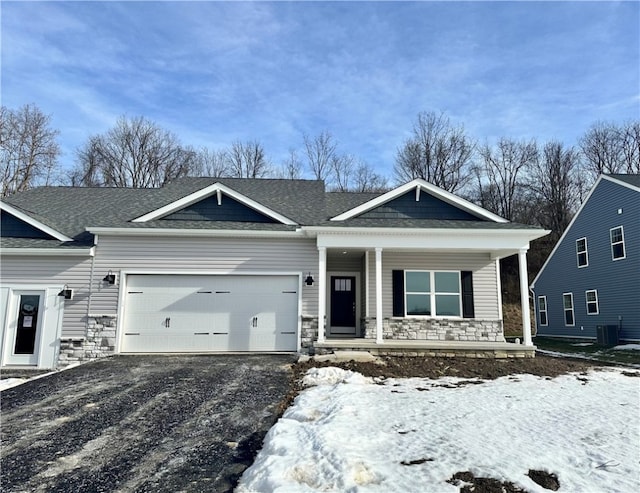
[
  {"x": 545, "y": 479},
  {"x": 488, "y": 369},
  {"x": 470, "y": 484}
]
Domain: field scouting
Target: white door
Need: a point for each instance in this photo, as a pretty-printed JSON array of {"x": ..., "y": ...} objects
[
  {"x": 180, "y": 313},
  {"x": 25, "y": 311}
]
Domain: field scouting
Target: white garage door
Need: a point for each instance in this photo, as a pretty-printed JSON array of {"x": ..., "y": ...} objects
[{"x": 170, "y": 313}]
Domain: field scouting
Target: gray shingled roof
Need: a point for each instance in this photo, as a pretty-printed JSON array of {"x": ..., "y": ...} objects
[
  {"x": 628, "y": 178},
  {"x": 70, "y": 210}
]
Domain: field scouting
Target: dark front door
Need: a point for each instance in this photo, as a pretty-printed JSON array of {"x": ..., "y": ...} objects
[{"x": 343, "y": 302}]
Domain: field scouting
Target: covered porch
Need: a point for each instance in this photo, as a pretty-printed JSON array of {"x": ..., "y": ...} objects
[{"x": 418, "y": 292}]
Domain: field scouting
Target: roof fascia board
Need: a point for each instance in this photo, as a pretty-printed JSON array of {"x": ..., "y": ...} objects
[
  {"x": 34, "y": 222},
  {"x": 192, "y": 232},
  {"x": 438, "y": 192},
  {"x": 621, "y": 183},
  {"x": 566, "y": 231},
  {"x": 437, "y": 239},
  {"x": 206, "y": 192},
  {"x": 49, "y": 252}
]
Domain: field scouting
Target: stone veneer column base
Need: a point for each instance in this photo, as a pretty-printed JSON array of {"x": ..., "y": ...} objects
[
  {"x": 436, "y": 329},
  {"x": 100, "y": 341}
]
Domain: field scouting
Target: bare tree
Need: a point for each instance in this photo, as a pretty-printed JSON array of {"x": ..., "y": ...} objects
[
  {"x": 557, "y": 187},
  {"x": 601, "y": 148},
  {"x": 135, "y": 153},
  {"x": 343, "y": 168},
  {"x": 501, "y": 173},
  {"x": 28, "y": 149},
  {"x": 247, "y": 160},
  {"x": 437, "y": 152},
  {"x": 210, "y": 162},
  {"x": 320, "y": 152},
  {"x": 630, "y": 136},
  {"x": 367, "y": 180},
  {"x": 291, "y": 168}
]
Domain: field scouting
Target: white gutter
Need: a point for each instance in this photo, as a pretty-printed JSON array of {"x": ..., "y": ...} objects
[
  {"x": 48, "y": 252},
  {"x": 298, "y": 233}
]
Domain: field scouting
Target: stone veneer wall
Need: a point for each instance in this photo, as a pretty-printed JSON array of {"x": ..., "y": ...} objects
[
  {"x": 440, "y": 329},
  {"x": 100, "y": 341},
  {"x": 309, "y": 334}
]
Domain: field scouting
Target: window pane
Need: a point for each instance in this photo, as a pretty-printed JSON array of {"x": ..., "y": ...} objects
[
  {"x": 582, "y": 259},
  {"x": 591, "y": 296},
  {"x": 543, "y": 318},
  {"x": 616, "y": 235},
  {"x": 448, "y": 305},
  {"x": 592, "y": 308},
  {"x": 542, "y": 303},
  {"x": 618, "y": 250},
  {"x": 418, "y": 304},
  {"x": 581, "y": 245},
  {"x": 568, "y": 302},
  {"x": 418, "y": 282},
  {"x": 447, "y": 282},
  {"x": 568, "y": 317}
]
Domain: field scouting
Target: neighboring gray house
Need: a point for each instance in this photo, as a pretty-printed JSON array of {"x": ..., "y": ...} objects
[
  {"x": 214, "y": 265},
  {"x": 592, "y": 277}
]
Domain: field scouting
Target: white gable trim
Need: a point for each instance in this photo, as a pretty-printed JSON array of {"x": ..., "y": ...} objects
[
  {"x": 33, "y": 222},
  {"x": 566, "y": 231},
  {"x": 49, "y": 252},
  {"x": 420, "y": 184},
  {"x": 218, "y": 189}
]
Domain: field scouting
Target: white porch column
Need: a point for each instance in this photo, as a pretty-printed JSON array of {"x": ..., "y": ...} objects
[
  {"x": 378, "y": 295},
  {"x": 322, "y": 291},
  {"x": 367, "y": 312},
  {"x": 524, "y": 297}
]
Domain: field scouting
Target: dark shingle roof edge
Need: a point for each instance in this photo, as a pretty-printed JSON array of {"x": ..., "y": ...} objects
[{"x": 631, "y": 179}]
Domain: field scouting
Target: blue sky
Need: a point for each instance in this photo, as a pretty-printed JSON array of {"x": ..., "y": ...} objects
[{"x": 216, "y": 72}]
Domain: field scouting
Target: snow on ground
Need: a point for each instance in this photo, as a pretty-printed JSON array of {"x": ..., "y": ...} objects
[
  {"x": 352, "y": 434},
  {"x": 7, "y": 383},
  {"x": 627, "y": 347}
]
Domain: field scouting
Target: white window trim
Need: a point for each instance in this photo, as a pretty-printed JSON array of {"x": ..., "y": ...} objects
[
  {"x": 546, "y": 311},
  {"x": 624, "y": 247},
  {"x": 432, "y": 294},
  {"x": 586, "y": 252},
  {"x": 597, "y": 302},
  {"x": 564, "y": 310}
]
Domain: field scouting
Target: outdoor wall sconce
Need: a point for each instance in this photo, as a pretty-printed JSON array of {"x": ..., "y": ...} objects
[
  {"x": 110, "y": 278},
  {"x": 309, "y": 280},
  {"x": 66, "y": 292}
]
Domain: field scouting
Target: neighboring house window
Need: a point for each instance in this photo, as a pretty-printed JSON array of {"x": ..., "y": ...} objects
[
  {"x": 617, "y": 243},
  {"x": 567, "y": 303},
  {"x": 592, "y": 302},
  {"x": 429, "y": 293},
  {"x": 542, "y": 309},
  {"x": 581, "y": 251}
]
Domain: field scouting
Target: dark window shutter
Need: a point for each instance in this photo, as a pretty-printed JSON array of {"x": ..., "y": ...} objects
[
  {"x": 398, "y": 293},
  {"x": 466, "y": 280}
]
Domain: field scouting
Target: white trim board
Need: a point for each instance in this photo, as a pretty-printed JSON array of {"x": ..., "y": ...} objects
[
  {"x": 419, "y": 184},
  {"x": 33, "y": 222},
  {"x": 216, "y": 188},
  {"x": 48, "y": 252}
]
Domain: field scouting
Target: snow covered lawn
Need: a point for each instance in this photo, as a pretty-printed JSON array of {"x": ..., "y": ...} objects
[{"x": 349, "y": 433}]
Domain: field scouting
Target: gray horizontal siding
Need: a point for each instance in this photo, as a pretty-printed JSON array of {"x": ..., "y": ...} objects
[
  {"x": 197, "y": 255},
  {"x": 485, "y": 286},
  {"x": 617, "y": 282},
  {"x": 52, "y": 271}
]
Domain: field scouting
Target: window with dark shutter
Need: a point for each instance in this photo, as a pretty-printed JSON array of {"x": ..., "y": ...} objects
[
  {"x": 466, "y": 280},
  {"x": 398, "y": 292}
]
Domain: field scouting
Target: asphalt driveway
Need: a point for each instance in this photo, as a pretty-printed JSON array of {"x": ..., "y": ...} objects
[{"x": 141, "y": 423}]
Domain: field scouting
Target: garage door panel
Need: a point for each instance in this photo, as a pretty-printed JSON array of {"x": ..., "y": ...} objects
[{"x": 174, "y": 313}]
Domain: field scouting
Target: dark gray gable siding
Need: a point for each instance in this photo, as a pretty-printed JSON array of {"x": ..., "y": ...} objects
[
  {"x": 209, "y": 210},
  {"x": 12, "y": 227},
  {"x": 428, "y": 207},
  {"x": 617, "y": 282}
]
